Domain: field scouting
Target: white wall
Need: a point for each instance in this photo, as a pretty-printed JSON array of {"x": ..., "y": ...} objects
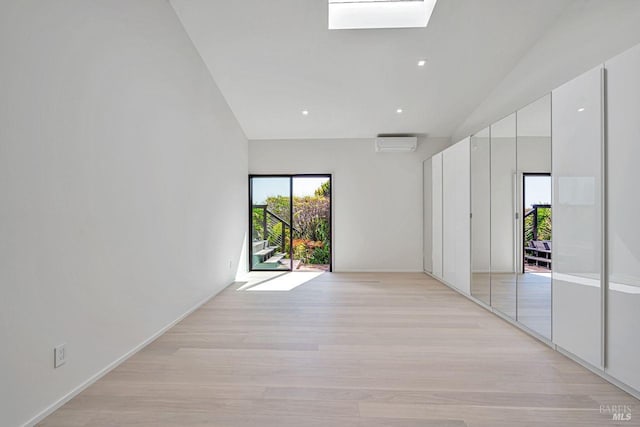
[
  {"x": 377, "y": 206},
  {"x": 123, "y": 188},
  {"x": 588, "y": 33}
]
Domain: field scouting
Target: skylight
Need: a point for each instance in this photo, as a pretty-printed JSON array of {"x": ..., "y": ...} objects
[{"x": 361, "y": 14}]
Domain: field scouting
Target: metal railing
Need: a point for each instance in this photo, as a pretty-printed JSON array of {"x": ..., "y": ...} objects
[
  {"x": 271, "y": 228},
  {"x": 533, "y": 229}
]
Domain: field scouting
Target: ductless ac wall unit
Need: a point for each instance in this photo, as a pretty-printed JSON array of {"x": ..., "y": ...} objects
[{"x": 396, "y": 144}]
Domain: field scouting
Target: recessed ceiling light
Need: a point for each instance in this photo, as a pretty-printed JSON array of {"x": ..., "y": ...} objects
[
  {"x": 305, "y": 112},
  {"x": 421, "y": 63},
  {"x": 399, "y": 111},
  {"x": 580, "y": 110},
  {"x": 361, "y": 14}
]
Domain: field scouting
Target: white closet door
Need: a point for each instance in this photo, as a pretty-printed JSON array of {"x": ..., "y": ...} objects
[
  {"x": 427, "y": 212},
  {"x": 577, "y": 216},
  {"x": 456, "y": 242},
  {"x": 623, "y": 145},
  {"x": 436, "y": 206}
]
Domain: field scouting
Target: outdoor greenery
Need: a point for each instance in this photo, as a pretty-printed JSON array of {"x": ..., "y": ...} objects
[
  {"x": 324, "y": 190},
  {"x": 310, "y": 223},
  {"x": 544, "y": 225}
]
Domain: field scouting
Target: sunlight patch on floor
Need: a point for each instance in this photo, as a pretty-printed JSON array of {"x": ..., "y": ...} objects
[{"x": 277, "y": 281}]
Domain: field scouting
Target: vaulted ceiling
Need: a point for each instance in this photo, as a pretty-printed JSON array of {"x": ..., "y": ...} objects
[{"x": 274, "y": 59}]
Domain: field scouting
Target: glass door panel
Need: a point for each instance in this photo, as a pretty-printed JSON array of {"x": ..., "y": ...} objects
[
  {"x": 312, "y": 223},
  {"x": 271, "y": 220}
]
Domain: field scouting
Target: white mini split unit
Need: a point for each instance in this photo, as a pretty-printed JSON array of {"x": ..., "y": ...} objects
[{"x": 396, "y": 144}]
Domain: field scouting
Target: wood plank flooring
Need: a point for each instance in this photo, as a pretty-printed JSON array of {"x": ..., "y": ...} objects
[{"x": 393, "y": 350}]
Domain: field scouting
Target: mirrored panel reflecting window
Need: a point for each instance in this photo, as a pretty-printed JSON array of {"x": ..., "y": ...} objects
[{"x": 534, "y": 227}]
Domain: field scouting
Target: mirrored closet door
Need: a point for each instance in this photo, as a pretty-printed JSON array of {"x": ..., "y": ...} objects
[
  {"x": 503, "y": 216},
  {"x": 481, "y": 216},
  {"x": 534, "y": 260}
]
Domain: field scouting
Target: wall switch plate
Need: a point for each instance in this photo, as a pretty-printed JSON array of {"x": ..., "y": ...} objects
[
  {"x": 230, "y": 264},
  {"x": 59, "y": 356}
]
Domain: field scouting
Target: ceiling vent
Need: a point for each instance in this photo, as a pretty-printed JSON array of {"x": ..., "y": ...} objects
[{"x": 396, "y": 144}]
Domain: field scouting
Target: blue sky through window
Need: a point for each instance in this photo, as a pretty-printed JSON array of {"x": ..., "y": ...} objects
[
  {"x": 537, "y": 190},
  {"x": 264, "y": 187}
]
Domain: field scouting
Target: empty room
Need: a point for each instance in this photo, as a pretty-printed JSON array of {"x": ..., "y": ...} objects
[{"x": 312, "y": 213}]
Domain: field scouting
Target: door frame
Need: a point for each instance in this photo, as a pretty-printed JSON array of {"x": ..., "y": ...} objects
[{"x": 291, "y": 178}]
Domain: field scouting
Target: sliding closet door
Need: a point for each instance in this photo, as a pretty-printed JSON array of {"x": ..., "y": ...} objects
[
  {"x": 623, "y": 145},
  {"x": 481, "y": 216},
  {"x": 436, "y": 206},
  {"x": 427, "y": 212},
  {"x": 503, "y": 219},
  {"x": 535, "y": 216},
  {"x": 455, "y": 216},
  {"x": 577, "y": 192}
]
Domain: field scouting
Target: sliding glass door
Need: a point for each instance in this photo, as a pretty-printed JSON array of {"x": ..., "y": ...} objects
[
  {"x": 270, "y": 202},
  {"x": 290, "y": 222}
]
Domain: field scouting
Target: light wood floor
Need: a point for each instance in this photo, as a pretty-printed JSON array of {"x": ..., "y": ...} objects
[
  {"x": 368, "y": 350},
  {"x": 526, "y": 295}
]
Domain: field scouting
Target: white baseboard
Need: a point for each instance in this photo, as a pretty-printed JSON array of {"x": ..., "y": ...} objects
[
  {"x": 53, "y": 407},
  {"x": 622, "y": 386},
  {"x": 598, "y": 371},
  {"x": 450, "y": 285}
]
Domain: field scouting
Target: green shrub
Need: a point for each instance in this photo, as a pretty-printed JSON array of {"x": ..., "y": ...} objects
[
  {"x": 544, "y": 225},
  {"x": 320, "y": 256},
  {"x": 300, "y": 252}
]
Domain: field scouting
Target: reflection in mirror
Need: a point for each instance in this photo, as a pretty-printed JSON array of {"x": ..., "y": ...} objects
[
  {"x": 503, "y": 208},
  {"x": 534, "y": 228},
  {"x": 481, "y": 216}
]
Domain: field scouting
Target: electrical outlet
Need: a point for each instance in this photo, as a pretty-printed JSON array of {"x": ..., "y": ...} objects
[
  {"x": 230, "y": 264},
  {"x": 59, "y": 356}
]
